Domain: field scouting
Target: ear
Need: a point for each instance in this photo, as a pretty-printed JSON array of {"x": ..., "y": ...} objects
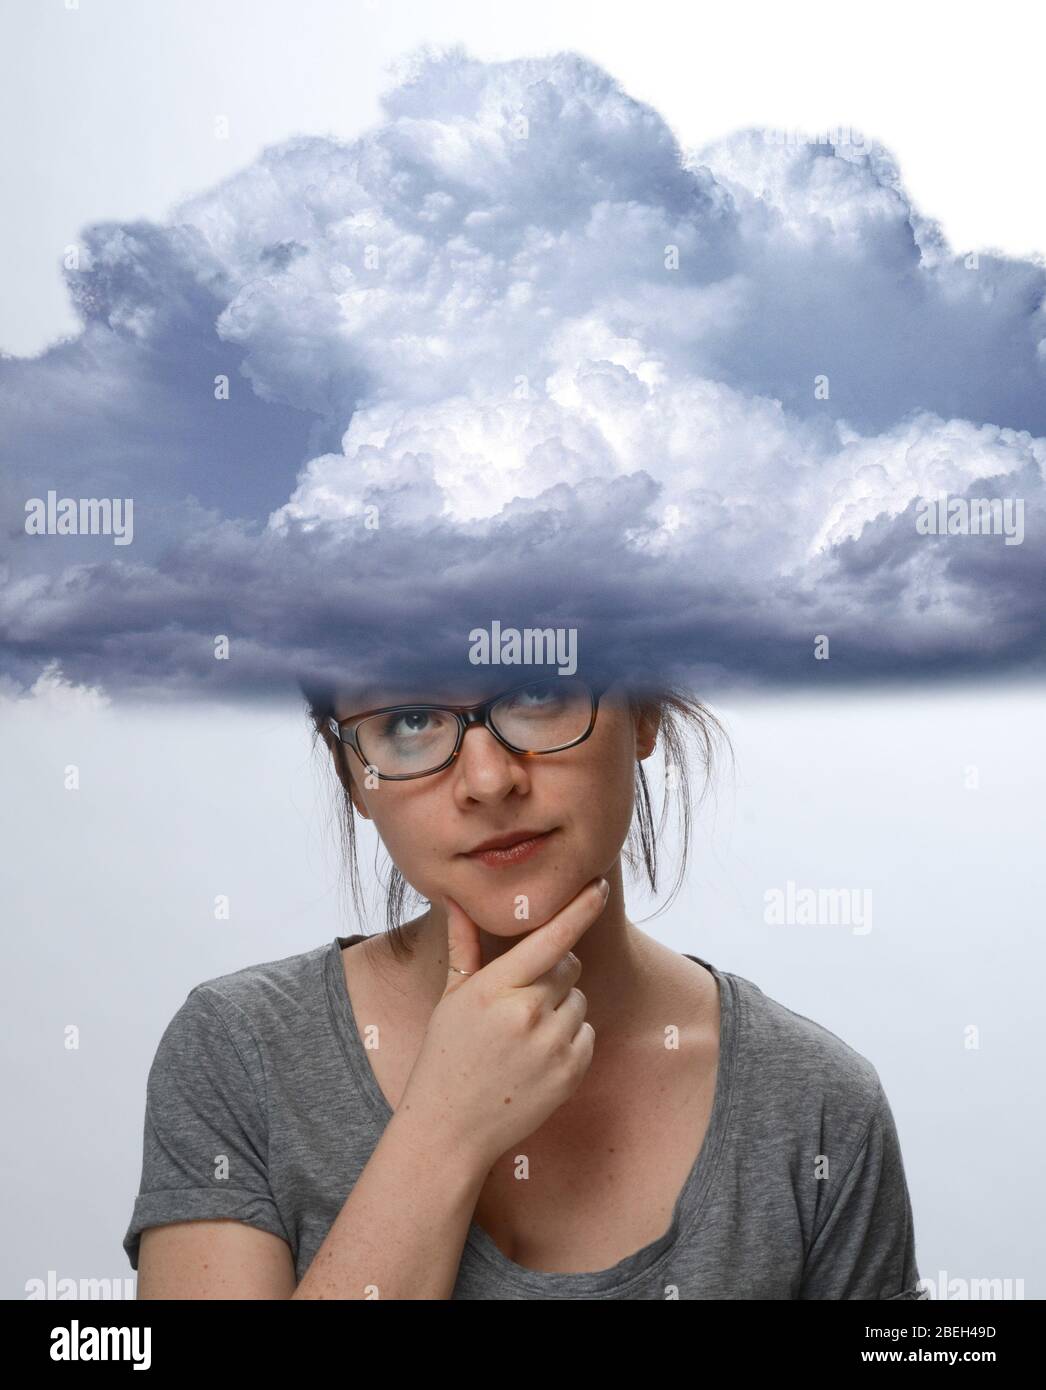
[{"x": 648, "y": 724}]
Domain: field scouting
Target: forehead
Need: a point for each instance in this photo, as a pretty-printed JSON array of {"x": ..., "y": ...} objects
[{"x": 439, "y": 692}]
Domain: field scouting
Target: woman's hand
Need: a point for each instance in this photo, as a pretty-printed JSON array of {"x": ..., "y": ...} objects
[{"x": 508, "y": 1044}]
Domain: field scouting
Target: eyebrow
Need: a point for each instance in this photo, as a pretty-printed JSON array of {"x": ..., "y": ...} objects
[{"x": 381, "y": 699}]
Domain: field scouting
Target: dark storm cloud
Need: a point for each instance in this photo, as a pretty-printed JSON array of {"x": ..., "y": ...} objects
[{"x": 513, "y": 356}]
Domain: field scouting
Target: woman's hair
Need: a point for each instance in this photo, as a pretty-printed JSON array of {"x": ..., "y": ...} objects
[{"x": 679, "y": 713}]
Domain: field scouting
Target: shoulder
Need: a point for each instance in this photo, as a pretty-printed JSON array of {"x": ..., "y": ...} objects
[
  {"x": 276, "y": 987},
  {"x": 243, "y": 1012},
  {"x": 797, "y": 1075}
]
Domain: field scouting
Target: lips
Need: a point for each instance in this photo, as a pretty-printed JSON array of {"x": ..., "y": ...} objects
[
  {"x": 510, "y": 849},
  {"x": 515, "y": 837}
]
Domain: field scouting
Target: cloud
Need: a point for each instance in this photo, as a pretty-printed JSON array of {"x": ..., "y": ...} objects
[
  {"x": 52, "y": 693},
  {"x": 513, "y": 354}
]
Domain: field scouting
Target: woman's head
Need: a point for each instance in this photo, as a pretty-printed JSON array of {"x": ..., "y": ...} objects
[{"x": 590, "y": 801}]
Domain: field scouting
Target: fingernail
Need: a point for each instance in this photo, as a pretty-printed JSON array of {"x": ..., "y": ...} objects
[{"x": 604, "y": 888}]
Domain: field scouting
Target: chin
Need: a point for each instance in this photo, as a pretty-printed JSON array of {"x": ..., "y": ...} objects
[{"x": 545, "y": 899}]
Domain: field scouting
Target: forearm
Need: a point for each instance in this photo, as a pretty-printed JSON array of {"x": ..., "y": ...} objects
[{"x": 403, "y": 1226}]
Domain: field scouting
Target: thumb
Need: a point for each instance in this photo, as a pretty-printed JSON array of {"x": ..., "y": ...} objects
[{"x": 463, "y": 948}]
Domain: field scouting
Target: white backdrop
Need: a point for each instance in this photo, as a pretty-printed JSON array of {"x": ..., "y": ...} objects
[{"x": 107, "y": 901}]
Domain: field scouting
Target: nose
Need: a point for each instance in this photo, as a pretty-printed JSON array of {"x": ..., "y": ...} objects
[{"x": 485, "y": 770}]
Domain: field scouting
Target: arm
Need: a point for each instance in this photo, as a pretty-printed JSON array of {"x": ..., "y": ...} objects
[
  {"x": 205, "y": 1222},
  {"x": 399, "y": 1235},
  {"x": 213, "y": 1259},
  {"x": 402, "y": 1229}
]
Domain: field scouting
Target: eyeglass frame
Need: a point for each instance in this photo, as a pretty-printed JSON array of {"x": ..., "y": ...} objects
[{"x": 467, "y": 716}]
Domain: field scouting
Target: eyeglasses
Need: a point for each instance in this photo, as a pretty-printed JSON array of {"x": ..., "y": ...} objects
[{"x": 400, "y": 742}]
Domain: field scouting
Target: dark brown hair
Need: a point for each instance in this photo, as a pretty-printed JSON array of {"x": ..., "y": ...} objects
[{"x": 678, "y": 712}]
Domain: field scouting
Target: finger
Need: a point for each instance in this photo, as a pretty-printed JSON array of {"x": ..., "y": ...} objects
[
  {"x": 542, "y": 948},
  {"x": 463, "y": 948},
  {"x": 571, "y": 1011},
  {"x": 584, "y": 1041},
  {"x": 556, "y": 984}
]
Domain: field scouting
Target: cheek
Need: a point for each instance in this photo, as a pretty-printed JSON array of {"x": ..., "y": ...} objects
[
  {"x": 609, "y": 791},
  {"x": 616, "y": 808},
  {"x": 596, "y": 809},
  {"x": 412, "y": 838}
]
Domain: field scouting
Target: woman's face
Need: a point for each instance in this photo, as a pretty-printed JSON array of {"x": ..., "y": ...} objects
[{"x": 582, "y": 795}]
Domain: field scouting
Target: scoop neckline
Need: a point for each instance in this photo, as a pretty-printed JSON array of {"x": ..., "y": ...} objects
[{"x": 689, "y": 1204}]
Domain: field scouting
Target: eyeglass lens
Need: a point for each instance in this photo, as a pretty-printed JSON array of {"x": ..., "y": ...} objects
[{"x": 537, "y": 719}]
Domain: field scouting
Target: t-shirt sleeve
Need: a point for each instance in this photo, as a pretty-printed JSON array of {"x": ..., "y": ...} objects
[
  {"x": 204, "y": 1151},
  {"x": 865, "y": 1245}
]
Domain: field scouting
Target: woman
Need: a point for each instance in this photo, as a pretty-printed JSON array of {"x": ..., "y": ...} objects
[{"x": 518, "y": 1093}]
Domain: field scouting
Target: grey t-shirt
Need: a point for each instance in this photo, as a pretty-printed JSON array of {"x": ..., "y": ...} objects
[{"x": 262, "y": 1106}]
